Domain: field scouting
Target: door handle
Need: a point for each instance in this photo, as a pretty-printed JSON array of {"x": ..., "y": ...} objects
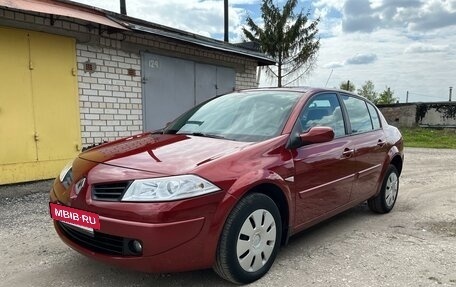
[
  {"x": 348, "y": 152},
  {"x": 381, "y": 143}
]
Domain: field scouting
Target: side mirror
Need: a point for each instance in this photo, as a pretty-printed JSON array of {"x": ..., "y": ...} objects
[{"x": 317, "y": 135}]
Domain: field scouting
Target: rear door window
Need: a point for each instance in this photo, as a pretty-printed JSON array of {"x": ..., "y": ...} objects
[
  {"x": 358, "y": 114},
  {"x": 374, "y": 115}
]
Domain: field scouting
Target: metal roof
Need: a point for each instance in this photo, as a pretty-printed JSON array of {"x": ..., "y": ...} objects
[
  {"x": 123, "y": 22},
  {"x": 194, "y": 39},
  {"x": 62, "y": 9}
]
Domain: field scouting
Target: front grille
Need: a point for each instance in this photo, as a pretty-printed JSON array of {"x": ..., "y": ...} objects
[
  {"x": 109, "y": 191},
  {"x": 98, "y": 242}
]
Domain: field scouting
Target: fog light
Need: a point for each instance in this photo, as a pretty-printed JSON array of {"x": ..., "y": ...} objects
[{"x": 136, "y": 246}]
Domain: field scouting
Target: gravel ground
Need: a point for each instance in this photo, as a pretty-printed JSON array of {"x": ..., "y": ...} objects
[{"x": 414, "y": 245}]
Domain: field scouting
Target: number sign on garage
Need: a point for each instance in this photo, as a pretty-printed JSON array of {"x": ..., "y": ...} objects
[{"x": 172, "y": 86}]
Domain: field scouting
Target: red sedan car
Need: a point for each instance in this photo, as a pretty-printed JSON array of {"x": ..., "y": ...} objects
[{"x": 229, "y": 181}]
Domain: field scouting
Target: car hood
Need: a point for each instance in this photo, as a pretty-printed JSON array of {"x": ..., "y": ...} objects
[{"x": 162, "y": 153}]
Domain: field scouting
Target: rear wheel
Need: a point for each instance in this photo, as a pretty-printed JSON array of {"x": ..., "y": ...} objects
[
  {"x": 250, "y": 240},
  {"x": 385, "y": 200}
]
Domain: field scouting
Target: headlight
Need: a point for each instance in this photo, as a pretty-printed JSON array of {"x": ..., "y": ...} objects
[
  {"x": 66, "y": 175},
  {"x": 168, "y": 188}
]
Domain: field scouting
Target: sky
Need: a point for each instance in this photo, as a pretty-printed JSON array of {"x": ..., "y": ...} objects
[{"x": 407, "y": 45}]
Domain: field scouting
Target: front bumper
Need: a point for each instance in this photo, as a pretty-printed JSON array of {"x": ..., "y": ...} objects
[
  {"x": 166, "y": 247},
  {"x": 173, "y": 246}
]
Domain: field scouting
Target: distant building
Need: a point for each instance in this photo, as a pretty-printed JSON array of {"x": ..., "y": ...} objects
[{"x": 427, "y": 115}]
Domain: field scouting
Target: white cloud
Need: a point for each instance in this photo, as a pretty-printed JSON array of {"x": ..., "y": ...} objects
[
  {"x": 411, "y": 15},
  {"x": 428, "y": 74},
  {"x": 411, "y": 39},
  {"x": 336, "y": 4},
  {"x": 333, "y": 65},
  {"x": 425, "y": 48},
  {"x": 432, "y": 17},
  {"x": 203, "y": 17},
  {"x": 361, "y": 59}
]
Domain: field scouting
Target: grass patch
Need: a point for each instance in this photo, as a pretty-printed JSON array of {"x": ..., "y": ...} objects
[{"x": 429, "y": 138}]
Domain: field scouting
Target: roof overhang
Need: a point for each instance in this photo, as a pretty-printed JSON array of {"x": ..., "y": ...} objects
[{"x": 61, "y": 9}]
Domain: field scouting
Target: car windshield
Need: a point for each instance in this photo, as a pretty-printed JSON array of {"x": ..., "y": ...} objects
[{"x": 241, "y": 116}]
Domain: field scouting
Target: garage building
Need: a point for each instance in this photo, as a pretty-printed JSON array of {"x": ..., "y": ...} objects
[{"x": 73, "y": 75}]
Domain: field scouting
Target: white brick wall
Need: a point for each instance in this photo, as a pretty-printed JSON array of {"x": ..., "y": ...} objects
[
  {"x": 247, "y": 79},
  {"x": 110, "y": 99}
]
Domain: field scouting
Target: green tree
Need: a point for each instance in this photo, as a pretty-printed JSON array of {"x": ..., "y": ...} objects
[
  {"x": 368, "y": 91},
  {"x": 347, "y": 86},
  {"x": 288, "y": 37},
  {"x": 386, "y": 97}
]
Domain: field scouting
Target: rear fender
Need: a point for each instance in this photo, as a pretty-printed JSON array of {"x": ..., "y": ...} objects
[{"x": 393, "y": 152}]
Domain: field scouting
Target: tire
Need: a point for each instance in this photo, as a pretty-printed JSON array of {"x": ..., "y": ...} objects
[
  {"x": 385, "y": 200},
  {"x": 250, "y": 240}
]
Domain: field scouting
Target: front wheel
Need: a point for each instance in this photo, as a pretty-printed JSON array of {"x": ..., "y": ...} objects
[
  {"x": 385, "y": 200},
  {"x": 250, "y": 240}
]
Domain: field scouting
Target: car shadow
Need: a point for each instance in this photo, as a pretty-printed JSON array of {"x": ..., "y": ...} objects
[
  {"x": 83, "y": 271},
  {"x": 337, "y": 228}
]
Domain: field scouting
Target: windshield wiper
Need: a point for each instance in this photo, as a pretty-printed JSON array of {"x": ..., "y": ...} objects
[{"x": 198, "y": 134}]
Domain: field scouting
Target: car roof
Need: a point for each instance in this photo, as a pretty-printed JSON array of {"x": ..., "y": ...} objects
[{"x": 301, "y": 89}]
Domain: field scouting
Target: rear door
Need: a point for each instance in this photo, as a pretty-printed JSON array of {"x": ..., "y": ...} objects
[
  {"x": 324, "y": 172},
  {"x": 370, "y": 145}
]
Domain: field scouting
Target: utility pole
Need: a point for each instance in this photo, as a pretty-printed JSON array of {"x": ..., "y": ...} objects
[
  {"x": 451, "y": 91},
  {"x": 348, "y": 85},
  {"x": 406, "y": 98},
  {"x": 225, "y": 7},
  {"x": 123, "y": 7}
]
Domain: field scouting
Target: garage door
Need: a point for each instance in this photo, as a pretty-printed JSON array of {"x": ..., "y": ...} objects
[
  {"x": 173, "y": 85},
  {"x": 39, "y": 108}
]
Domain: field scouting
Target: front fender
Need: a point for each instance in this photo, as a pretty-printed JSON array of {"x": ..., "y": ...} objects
[
  {"x": 242, "y": 186},
  {"x": 256, "y": 178}
]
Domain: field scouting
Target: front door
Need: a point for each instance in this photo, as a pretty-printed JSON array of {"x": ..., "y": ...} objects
[{"x": 324, "y": 172}]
